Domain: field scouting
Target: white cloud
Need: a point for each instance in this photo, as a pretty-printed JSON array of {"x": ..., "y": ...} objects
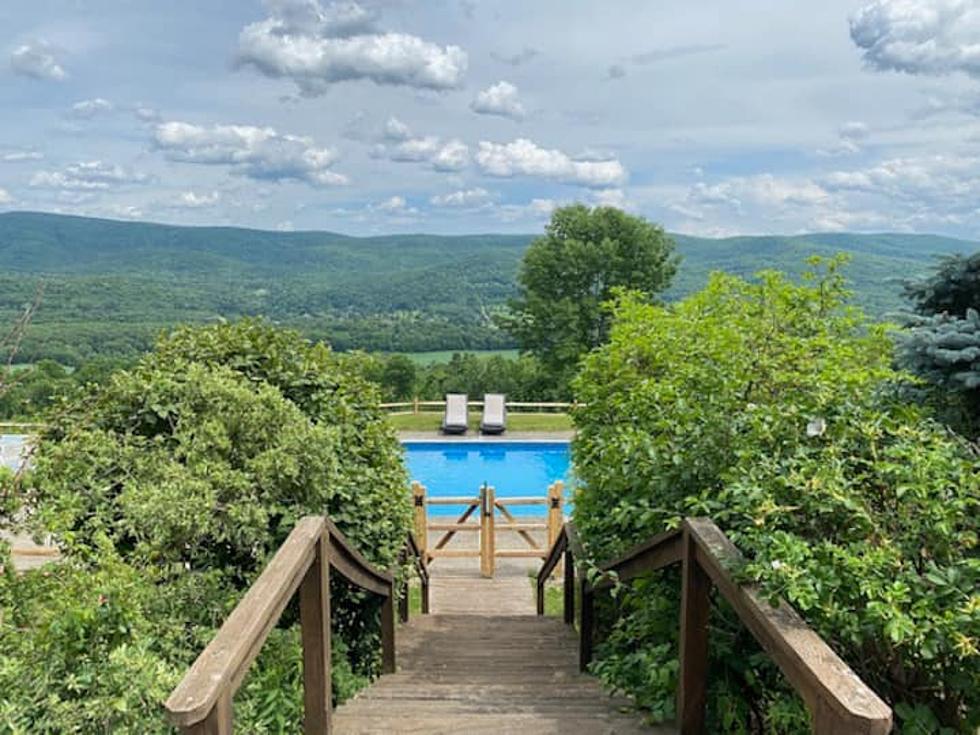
[
  {"x": 193, "y": 200},
  {"x": 402, "y": 146},
  {"x": 463, "y": 198},
  {"x": 87, "y": 176},
  {"x": 36, "y": 60},
  {"x": 316, "y": 46},
  {"x": 393, "y": 204},
  {"x": 536, "y": 210},
  {"x": 145, "y": 113},
  {"x": 87, "y": 109},
  {"x": 763, "y": 190},
  {"x": 850, "y": 137},
  {"x": 501, "y": 99},
  {"x": 453, "y": 156},
  {"x": 524, "y": 157},
  {"x": 611, "y": 198},
  {"x": 395, "y": 129},
  {"x": 932, "y": 37},
  {"x": 21, "y": 156},
  {"x": 257, "y": 153},
  {"x": 5, "y": 197}
]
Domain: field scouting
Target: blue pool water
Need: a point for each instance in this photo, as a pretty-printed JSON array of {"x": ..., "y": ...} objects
[{"x": 512, "y": 468}]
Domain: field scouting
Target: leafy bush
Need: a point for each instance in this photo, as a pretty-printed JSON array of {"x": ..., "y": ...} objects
[
  {"x": 768, "y": 406},
  {"x": 179, "y": 478}
]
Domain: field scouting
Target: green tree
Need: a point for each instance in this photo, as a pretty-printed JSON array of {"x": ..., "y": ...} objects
[
  {"x": 941, "y": 342},
  {"x": 398, "y": 377},
  {"x": 771, "y": 407},
  {"x": 570, "y": 272}
]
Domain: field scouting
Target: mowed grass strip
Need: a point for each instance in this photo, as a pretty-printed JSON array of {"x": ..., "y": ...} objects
[{"x": 531, "y": 422}]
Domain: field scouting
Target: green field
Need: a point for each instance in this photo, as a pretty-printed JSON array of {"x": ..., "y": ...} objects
[
  {"x": 430, "y": 358},
  {"x": 515, "y": 422}
]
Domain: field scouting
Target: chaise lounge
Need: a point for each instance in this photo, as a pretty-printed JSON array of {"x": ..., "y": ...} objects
[
  {"x": 494, "y": 414},
  {"x": 455, "y": 420}
]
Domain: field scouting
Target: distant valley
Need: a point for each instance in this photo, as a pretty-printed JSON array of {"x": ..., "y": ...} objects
[{"x": 111, "y": 286}]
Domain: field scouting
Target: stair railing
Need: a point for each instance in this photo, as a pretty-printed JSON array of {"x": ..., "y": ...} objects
[
  {"x": 839, "y": 702},
  {"x": 201, "y": 704}
]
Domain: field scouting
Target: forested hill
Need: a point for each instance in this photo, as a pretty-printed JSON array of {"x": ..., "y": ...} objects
[{"x": 110, "y": 286}]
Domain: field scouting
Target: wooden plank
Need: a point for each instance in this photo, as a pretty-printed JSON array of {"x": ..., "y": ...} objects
[
  {"x": 520, "y": 553},
  {"x": 521, "y": 501},
  {"x": 314, "y": 614},
  {"x": 695, "y": 607},
  {"x": 220, "y": 667},
  {"x": 660, "y": 551},
  {"x": 523, "y": 532},
  {"x": 454, "y": 500},
  {"x": 454, "y": 527},
  {"x": 454, "y": 553},
  {"x": 522, "y": 527},
  {"x": 462, "y": 519},
  {"x": 568, "y": 590},
  {"x": 834, "y": 694}
]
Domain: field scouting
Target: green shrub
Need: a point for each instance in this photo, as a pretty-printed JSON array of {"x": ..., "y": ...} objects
[
  {"x": 184, "y": 475},
  {"x": 768, "y": 406}
]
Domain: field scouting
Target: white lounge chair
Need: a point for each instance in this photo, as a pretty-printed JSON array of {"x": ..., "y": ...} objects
[
  {"x": 455, "y": 420},
  {"x": 494, "y": 414}
]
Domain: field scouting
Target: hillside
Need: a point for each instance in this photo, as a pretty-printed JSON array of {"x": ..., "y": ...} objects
[{"x": 110, "y": 286}]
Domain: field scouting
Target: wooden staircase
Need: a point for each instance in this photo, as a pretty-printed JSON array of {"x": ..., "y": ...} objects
[{"x": 482, "y": 662}]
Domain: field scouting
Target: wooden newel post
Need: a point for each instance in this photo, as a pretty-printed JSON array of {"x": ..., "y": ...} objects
[
  {"x": 421, "y": 519},
  {"x": 695, "y": 606},
  {"x": 487, "y": 551},
  {"x": 314, "y": 615}
]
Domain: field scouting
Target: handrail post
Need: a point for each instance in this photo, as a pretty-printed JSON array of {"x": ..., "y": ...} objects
[
  {"x": 695, "y": 607},
  {"x": 388, "y": 663},
  {"x": 569, "y": 588},
  {"x": 487, "y": 552},
  {"x": 314, "y": 610},
  {"x": 586, "y": 633}
]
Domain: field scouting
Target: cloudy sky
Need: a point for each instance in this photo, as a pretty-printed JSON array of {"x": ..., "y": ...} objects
[{"x": 711, "y": 116}]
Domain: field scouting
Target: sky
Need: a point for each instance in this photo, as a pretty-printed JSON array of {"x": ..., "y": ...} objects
[{"x": 711, "y": 117}]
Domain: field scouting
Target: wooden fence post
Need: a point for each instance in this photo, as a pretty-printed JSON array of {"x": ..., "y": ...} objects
[
  {"x": 487, "y": 550},
  {"x": 314, "y": 615},
  {"x": 568, "y": 588},
  {"x": 695, "y": 606},
  {"x": 421, "y": 518},
  {"x": 415, "y": 405},
  {"x": 555, "y": 512}
]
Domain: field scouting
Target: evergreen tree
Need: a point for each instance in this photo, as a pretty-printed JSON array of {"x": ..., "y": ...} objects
[{"x": 941, "y": 342}]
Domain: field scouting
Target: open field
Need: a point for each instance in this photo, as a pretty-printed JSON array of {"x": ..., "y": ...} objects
[
  {"x": 429, "y": 358},
  {"x": 544, "y": 422}
]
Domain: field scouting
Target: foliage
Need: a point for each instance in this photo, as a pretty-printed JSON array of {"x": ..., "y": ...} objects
[
  {"x": 769, "y": 407},
  {"x": 568, "y": 274},
  {"x": 942, "y": 341},
  {"x": 180, "y": 477}
]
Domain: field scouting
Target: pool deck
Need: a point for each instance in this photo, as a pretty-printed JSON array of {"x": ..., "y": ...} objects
[{"x": 472, "y": 436}]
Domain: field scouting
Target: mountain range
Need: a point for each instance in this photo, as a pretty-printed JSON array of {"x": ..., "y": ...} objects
[{"x": 110, "y": 286}]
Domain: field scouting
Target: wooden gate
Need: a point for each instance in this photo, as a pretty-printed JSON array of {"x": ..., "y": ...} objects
[{"x": 488, "y": 507}]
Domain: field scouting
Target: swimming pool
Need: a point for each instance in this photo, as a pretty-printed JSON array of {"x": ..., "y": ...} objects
[{"x": 512, "y": 468}]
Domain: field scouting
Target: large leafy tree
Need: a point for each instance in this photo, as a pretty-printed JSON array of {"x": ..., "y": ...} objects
[
  {"x": 942, "y": 340},
  {"x": 570, "y": 272}
]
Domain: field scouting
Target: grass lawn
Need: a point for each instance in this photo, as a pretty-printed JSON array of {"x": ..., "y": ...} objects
[
  {"x": 515, "y": 422},
  {"x": 428, "y": 358}
]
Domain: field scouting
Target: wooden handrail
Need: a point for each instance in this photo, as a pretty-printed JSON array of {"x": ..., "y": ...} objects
[
  {"x": 838, "y": 700},
  {"x": 201, "y": 702}
]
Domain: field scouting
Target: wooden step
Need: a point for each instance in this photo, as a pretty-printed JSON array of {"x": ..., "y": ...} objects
[{"x": 472, "y": 673}]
